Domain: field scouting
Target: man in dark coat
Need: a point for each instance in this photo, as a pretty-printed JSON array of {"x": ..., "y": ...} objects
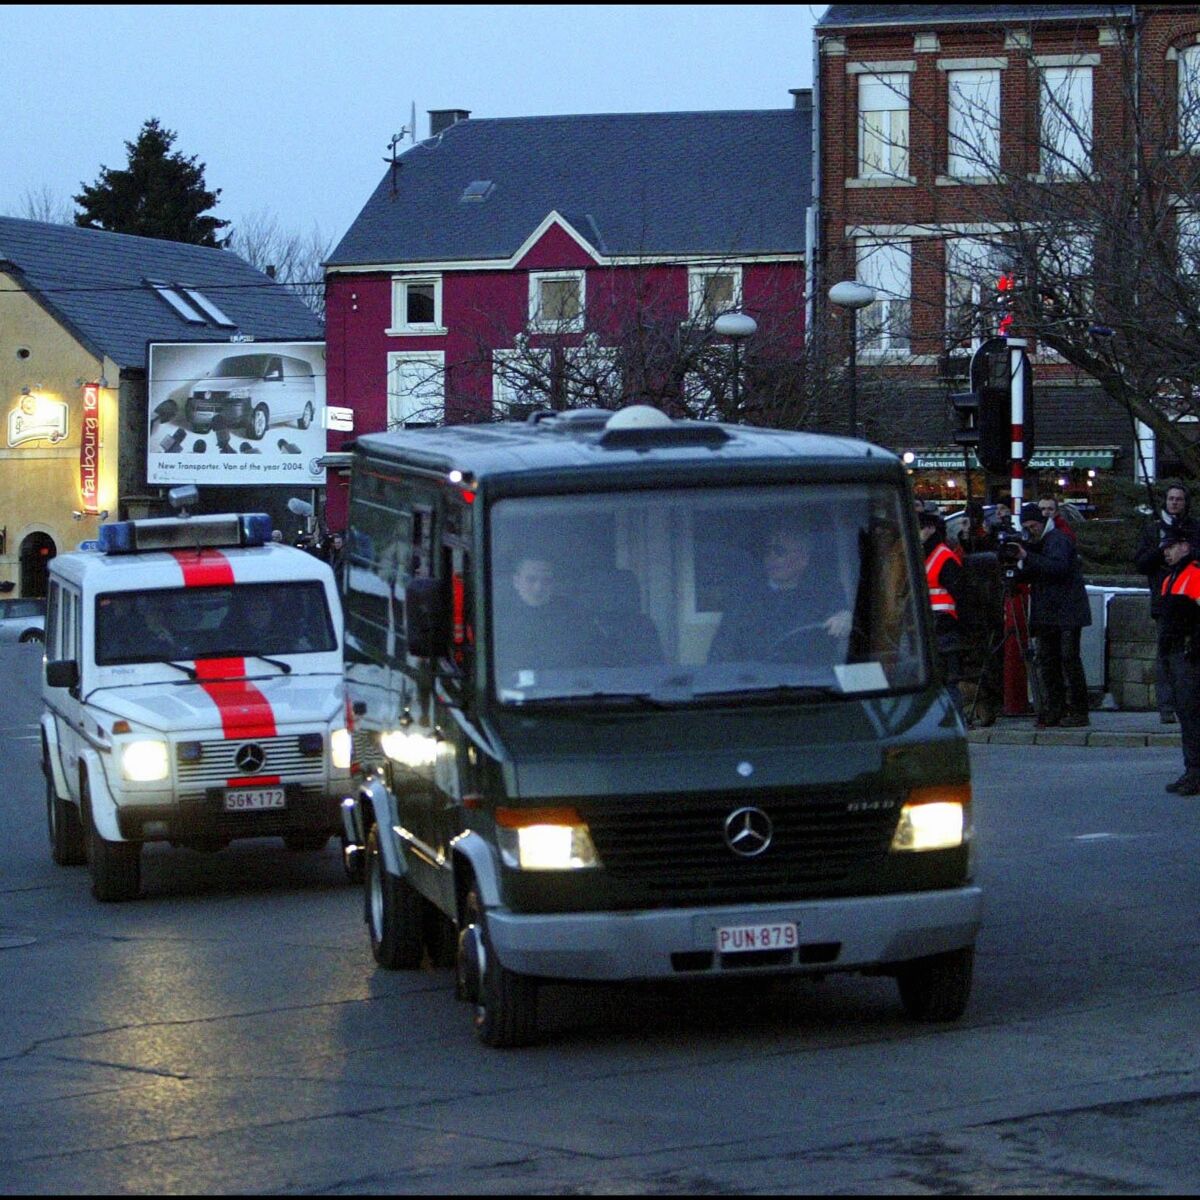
[
  {"x": 537, "y": 629},
  {"x": 1172, "y": 521},
  {"x": 1058, "y": 611}
]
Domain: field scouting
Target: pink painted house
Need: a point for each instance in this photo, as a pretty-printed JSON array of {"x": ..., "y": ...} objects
[{"x": 509, "y": 264}]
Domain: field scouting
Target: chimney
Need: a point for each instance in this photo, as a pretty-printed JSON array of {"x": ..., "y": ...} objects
[
  {"x": 802, "y": 98},
  {"x": 441, "y": 119}
]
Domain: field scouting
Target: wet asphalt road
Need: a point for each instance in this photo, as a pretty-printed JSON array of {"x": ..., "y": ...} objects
[{"x": 229, "y": 1032}]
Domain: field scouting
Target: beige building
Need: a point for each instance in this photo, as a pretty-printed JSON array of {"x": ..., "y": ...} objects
[{"x": 78, "y": 310}]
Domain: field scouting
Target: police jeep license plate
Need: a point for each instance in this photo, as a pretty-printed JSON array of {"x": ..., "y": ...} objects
[
  {"x": 775, "y": 935},
  {"x": 254, "y": 799}
]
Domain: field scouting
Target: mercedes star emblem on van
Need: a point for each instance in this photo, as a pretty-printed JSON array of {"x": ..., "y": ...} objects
[
  {"x": 748, "y": 831},
  {"x": 250, "y": 758}
]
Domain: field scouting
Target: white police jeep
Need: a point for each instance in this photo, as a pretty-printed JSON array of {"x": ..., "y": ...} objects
[{"x": 192, "y": 694}]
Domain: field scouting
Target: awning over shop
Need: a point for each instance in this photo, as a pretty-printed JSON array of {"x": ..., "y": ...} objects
[{"x": 1048, "y": 458}]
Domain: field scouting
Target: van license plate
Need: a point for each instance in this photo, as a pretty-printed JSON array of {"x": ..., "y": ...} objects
[
  {"x": 253, "y": 799},
  {"x": 736, "y": 939}
]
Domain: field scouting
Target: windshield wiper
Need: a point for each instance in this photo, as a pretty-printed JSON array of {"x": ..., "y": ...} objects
[
  {"x": 774, "y": 691},
  {"x": 637, "y": 699},
  {"x": 190, "y": 672},
  {"x": 286, "y": 668}
]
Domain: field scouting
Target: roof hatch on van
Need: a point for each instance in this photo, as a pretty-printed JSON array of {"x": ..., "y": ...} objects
[{"x": 640, "y": 426}]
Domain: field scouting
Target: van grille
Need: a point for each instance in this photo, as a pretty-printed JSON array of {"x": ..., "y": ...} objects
[
  {"x": 216, "y": 763},
  {"x": 674, "y": 848}
]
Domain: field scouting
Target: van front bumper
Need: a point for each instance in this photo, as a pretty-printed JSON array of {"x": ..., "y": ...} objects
[{"x": 834, "y": 935}]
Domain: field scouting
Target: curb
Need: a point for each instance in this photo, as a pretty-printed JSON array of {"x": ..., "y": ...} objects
[{"x": 1071, "y": 737}]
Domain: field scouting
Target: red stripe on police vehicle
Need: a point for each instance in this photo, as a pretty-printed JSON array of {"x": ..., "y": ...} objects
[{"x": 245, "y": 711}]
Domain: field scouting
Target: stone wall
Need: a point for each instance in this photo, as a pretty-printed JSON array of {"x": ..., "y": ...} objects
[{"x": 1131, "y": 652}]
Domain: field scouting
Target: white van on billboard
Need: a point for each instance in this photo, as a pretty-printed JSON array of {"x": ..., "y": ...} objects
[{"x": 236, "y": 413}]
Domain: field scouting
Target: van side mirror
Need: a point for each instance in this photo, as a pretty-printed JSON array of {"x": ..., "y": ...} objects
[
  {"x": 62, "y": 673},
  {"x": 426, "y": 618}
]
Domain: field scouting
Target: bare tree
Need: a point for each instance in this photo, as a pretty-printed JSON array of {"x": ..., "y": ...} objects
[
  {"x": 294, "y": 259},
  {"x": 1096, "y": 216},
  {"x": 44, "y": 204}
]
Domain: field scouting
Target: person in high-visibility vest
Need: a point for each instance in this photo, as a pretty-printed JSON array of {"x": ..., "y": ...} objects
[
  {"x": 944, "y": 574},
  {"x": 1179, "y": 651}
]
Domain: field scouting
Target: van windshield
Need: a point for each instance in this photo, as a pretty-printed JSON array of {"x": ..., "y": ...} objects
[
  {"x": 213, "y": 622},
  {"x": 687, "y": 594}
]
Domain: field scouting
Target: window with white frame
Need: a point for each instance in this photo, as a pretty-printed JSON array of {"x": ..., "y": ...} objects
[
  {"x": 416, "y": 387},
  {"x": 713, "y": 291},
  {"x": 1066, "y": 120},
  {"x": 974, "y": 124},
  {"x": 886, "y": 324},
  {"x": 973, "y": 266},
  {"x": 883, "y": 125},
  {"x": 417, "y": 304},
  {"x": 1188, "y": 99},
  {"x": 520, "y": 377},
  {"x": 556, "y": 301}
]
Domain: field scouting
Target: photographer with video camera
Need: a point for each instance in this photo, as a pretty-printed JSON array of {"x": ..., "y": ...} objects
[
  {"x": 1048, "y": 560},
  {"x": 1179, "y": 649}
]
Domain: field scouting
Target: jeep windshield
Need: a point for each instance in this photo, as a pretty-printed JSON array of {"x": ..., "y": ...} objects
[
  {"x": 701, "y": 595},
  {"x": 225, "y": 621}
]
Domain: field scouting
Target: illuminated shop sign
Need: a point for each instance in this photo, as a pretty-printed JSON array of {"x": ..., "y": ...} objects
[
  {"x": 1052, "y": 458},
  {"x": 37, "y": 418},
  {"x": 89, "y": 448}
]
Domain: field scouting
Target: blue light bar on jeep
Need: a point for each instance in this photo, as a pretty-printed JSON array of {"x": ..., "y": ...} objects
[{"x": 185, "y": 533}]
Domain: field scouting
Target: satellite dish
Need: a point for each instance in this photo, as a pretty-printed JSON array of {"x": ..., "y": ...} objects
[{"x": 638, "y": 416}]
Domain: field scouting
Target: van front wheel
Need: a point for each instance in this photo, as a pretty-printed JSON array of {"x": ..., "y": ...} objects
[
  {"x": 260, "y": 422},
  {"x": 937, "y": 988},
  {"x": 506, "y": 1004},
  {"x": 393, "y": 912},
  {"x": 116, "y": 866}
]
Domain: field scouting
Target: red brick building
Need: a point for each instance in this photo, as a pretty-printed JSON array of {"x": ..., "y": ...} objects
[{"x": 923, "y": 112}]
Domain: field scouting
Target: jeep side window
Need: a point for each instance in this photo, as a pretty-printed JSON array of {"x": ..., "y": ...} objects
[{"x": 53, "y": 625}]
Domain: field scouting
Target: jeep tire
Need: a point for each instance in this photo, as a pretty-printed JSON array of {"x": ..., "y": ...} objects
[
  {"x": 116, "y": 866},
  {"x": 67, "y": 846}
]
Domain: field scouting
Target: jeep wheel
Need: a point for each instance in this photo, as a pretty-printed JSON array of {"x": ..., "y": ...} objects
[
  {"x": 937, "y": 988},
  {"x": 306, "y": 417},
  {"x": 260, "y": 422},
  {"x": 116, "y": 866},
  {"x": 506, "y": 1004},
  {"x": 393, "y": 913},
  {"x": 66, "y": 832}
]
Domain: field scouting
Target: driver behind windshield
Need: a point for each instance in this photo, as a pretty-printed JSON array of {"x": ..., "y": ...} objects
[
  {"x": 792, "y": 613},
  {"x": 537, "y": 628}
]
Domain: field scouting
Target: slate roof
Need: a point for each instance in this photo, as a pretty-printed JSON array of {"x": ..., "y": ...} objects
[
  {"x": 93, "y": 282},
  {"x": 839, "y": 15},
  {"x": 631, "y": 183}
]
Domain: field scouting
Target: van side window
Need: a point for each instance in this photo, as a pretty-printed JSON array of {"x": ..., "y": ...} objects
[
  {"x": 52, "y": 622},
  {"x": 390, "y": 541},
  {"x": 274, "y": 369}
]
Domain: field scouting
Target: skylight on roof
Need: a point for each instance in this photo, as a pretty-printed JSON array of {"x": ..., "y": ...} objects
[
  {"x": 478, "y": 190},
  {"x": 177, "y": 302},
  {"x": 207, "y": 307}
]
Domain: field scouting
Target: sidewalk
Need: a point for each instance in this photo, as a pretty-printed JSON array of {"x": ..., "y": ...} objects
[{"x": 1106, "y": 729}]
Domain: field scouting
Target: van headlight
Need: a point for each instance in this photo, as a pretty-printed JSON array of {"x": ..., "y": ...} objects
[
  {"x": 341, "y": 749},
  {"x": 544, "y": 839},
  {"x": 933, "y": 819},
  {"x": 145, "y": 762}
]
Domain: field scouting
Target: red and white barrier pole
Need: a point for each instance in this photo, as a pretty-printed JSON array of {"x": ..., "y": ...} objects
[
  {"x": 1016, "y": 683},
  {"x": 1016, "y": 349}
]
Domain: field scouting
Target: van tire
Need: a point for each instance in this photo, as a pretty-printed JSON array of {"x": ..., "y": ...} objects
[
  {"x": 937, "y": 988},
  {"x": 306, "y": 417},
  {"x": 506, "y": 1007},
  {"x": 67, "y": 846},
  {"x": 259, "y": 423},
  {"x": 393, "y": 913},
  {"x": 116, "y": 866}
]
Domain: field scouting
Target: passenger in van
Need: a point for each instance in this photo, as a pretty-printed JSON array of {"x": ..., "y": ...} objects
[
  {"x": 538, "y": 629},
  {"x": 790, "y": 615}
]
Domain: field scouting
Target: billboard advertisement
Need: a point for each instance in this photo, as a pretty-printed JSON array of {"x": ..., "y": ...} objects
[{"x": 244, "y": 413}]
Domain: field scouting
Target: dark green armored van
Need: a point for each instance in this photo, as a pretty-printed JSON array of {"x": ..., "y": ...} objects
[{"x": 643, "y": 699}]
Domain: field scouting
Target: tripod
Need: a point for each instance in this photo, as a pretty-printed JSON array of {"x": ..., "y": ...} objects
[{"x": 1014, "y": 627}]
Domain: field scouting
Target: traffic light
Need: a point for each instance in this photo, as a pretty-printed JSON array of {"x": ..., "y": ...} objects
[
  {"x": 985, "y": 412},
  {"x": 966, "y": 407},
  {"x": 1006, "y": 286}
]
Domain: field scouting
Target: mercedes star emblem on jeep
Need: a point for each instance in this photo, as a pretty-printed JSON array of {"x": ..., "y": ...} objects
[
  {"x": 250, "y": 758},
  {"x": 748, "y": 831}
]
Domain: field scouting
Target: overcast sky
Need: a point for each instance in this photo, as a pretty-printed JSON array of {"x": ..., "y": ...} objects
[{"x": 292, "y": 108}]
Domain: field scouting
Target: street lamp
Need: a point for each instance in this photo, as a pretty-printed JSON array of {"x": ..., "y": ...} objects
[
  {"x": 737, "y": 327},
  {"x": 852, "y": 295}
]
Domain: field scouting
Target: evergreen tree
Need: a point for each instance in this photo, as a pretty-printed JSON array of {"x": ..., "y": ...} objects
[{"x": 158, "y": 195}]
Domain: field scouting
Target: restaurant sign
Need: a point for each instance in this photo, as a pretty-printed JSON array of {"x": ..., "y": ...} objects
[
  {"x": 37, "y": 418},
  {"x": 1049, "y": 458}
]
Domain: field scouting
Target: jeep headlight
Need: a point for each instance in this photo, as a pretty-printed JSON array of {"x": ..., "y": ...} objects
[
  {"x": 341, "y": 749},
  {"x": 933, "y": 818},
  {"x": 544, "y": 839},
  {"x": 145, "y": 762}
]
